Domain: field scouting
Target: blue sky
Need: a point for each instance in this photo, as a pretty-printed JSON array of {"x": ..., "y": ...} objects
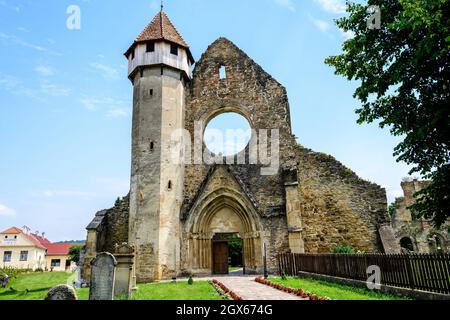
[{"x": 65, "y": 100}]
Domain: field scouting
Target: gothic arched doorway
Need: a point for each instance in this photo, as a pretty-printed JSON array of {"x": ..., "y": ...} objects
[{"x": 223, "y": 216}]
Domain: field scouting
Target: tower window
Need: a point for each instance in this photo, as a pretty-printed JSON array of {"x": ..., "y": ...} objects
[
  {"x": 132, "y": 55},
  {"x": 152, "y": 146},
  {"x": 150, "y": 47},
  {"x": 151, "y": 92},
  {"x": 222, "y": 72},
  {"x": 169, "y": 185},
  {"x": 174, "y": 49}
]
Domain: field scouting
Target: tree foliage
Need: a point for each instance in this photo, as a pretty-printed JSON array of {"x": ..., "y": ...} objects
[
  {"x": 74, "y": 253},
  {"x": 344, "y": 248},
  {"x": 404, "y": 75}
]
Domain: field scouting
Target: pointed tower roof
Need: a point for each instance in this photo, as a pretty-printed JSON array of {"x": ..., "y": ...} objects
[{"x": 161, "y": 29}]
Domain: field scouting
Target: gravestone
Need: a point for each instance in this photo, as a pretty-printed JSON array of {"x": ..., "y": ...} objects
[
  {"x": 62, "y": 292},
  {"x": 102, "y": 277},
  {"x": 125, "y": 257}
]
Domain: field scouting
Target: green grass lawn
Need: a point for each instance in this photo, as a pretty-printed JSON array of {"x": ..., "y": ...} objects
[
  {"x": 232, "y": 269},
  {"x": 38, "y": 285},
  {"x": 335, "y": 291},
  {"x": 181, "y": 290}
]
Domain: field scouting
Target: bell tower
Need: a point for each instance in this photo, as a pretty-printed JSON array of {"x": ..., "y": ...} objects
[{"x": 159, "y": 67}]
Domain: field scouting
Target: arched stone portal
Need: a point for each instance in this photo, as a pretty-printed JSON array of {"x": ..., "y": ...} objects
[{"x": 222, "y": 212}]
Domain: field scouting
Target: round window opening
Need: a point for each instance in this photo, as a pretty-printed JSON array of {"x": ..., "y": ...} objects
[{"x": 227, "y": 134}]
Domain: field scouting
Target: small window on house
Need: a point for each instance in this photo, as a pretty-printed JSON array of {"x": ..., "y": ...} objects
[
  {"x": 15, "y": 237},
  {"x": 7, "y": 256},
  {"x": 150, "y": 47},
  {"x": 6, "y": 237},
  {"x": 169, "y": 186},
  {"x": 174, "y": 49},
  {"x": 222, "y": 72},
  {"x": 23, "y": 255},
  {"x": 55, "y": 263}
]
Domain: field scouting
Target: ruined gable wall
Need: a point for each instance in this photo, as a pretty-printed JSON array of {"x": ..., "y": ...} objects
[
  {"x": 253, "y": 93},
  {"x": 114, "y": 227},
  {"x": 337, "y": 206}
]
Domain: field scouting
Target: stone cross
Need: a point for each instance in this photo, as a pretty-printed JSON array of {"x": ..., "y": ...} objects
[
  {"x": 102, "y": 277},
  {"x": 125, "y": 259}
]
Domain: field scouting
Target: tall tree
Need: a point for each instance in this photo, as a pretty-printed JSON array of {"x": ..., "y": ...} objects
[{"x": 404, "y": 72}]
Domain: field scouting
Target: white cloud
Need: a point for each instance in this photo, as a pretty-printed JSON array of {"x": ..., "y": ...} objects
[
  {"x": 6, "y": 212},
  {"x": 107, "y": 71},
  {"x": 54, "y": 90},
  {"x": 44, "y": 71},
  {"x": 393, "y": 193},
  {"x": 17, "y": 41},
  {"x": 23, "y": 29},
  {"x": 288, "y": 4},
  {"x": 347, "y": 34},
  {"x": 322, "y": 25},
  {"x": 65, "y": 193},
  {"x": 15, "y": 86},
  {"x": 114, "y": 108},
  {"x": 332, "y": 6},
  {"x": 118, "y": 113},
  {"x": 11, "y": 7}
]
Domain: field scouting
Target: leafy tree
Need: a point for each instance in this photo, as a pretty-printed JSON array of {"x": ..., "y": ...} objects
[
  {"x": 118, "y": 201},
  {"x": 392, "y": 209},
  {"x": 74, "y": 253},
  {"x": 404, "y": 75}
]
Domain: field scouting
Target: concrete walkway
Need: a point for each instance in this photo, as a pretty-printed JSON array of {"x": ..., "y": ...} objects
[{"x": 248, "y": 289}]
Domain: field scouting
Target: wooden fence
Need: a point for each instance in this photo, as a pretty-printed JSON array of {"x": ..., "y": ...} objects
[{"x": 427, "y": 272}]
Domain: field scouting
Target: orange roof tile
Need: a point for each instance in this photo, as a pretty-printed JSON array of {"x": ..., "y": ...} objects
[
  {"x": 161, "y": 28},
  {"x": 41, "y": 239},
  {"x": 58, "y": 249},
  {"x": 12, "y": 230}
]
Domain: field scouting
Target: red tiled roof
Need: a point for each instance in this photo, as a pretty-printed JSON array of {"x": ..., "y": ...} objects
[
  {"x": 161, "y": 28},
  {"x": 58, "y": 249},
  {"x": 12, "y": 230},
  {"x": 42, "y": 240},
  {"x": 35, "y": 241}
]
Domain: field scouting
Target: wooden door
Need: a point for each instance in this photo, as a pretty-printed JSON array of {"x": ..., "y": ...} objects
[{"x": 220, "y": 257}]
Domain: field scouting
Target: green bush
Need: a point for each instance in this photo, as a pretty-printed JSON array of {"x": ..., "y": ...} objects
[
  {"x": 11, "y": 272},
  {"x": 344, "y": 248},
  {"x": 283, "y": 277},
  {"x": 190, "y": 280}
]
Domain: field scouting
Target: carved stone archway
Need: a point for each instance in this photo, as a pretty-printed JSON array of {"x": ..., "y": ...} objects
[{"x": 223, "y": 211}]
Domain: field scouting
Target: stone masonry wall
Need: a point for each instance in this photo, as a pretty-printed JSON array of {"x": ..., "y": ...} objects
[
  {"x": 115, "y": 227},
  {"x": 337, "y": 206}
]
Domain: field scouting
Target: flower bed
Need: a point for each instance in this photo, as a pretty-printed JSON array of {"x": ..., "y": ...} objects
[
  {"x": 298, "y": 292},
  {"x": 225, "y": 291}
]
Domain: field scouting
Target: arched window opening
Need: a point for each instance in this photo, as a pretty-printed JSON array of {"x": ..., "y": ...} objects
[
  {"x": 222, "y": 72},
  {"x": 407, "y": 244},
  {"x": 227, "y": 134}
]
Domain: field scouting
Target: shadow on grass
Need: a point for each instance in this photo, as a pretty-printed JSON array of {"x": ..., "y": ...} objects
[{"x": 13, "y": 292}]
